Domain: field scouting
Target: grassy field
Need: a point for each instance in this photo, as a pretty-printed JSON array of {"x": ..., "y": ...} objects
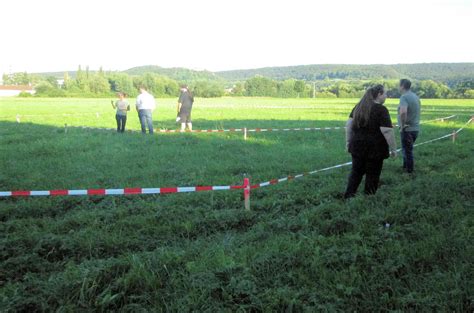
[{"x": 301, "y": 248}]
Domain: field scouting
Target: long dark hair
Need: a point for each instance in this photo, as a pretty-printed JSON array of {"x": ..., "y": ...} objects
[{"x": 362, "y": 110}]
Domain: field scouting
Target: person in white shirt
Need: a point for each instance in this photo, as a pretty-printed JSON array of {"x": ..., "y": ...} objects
[{"x": 145, "y": 106}]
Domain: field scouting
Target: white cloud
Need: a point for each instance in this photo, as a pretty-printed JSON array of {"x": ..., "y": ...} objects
[{"x": 55, "y": 35}]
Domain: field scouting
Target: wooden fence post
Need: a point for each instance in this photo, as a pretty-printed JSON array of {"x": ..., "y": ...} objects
[{"x": 247, "y": 194}]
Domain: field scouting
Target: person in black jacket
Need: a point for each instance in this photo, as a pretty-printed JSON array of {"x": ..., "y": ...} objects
[{"x": 370, "y": 139}]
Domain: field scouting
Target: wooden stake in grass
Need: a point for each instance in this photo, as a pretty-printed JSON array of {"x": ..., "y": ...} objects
[
  {"x": 454, "y": 136},
  {"x": 65, "y": 128},
  {"x": 247, "y": 194},
  {"x": 245, "y": 133},
  {"x": 18, "y": 118}
]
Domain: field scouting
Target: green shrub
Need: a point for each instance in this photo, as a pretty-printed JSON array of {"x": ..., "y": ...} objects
[
  {"x": 45, "y": 89},
  {"x": 25, "y": 94},
  {"x": 469, "y": 94}
]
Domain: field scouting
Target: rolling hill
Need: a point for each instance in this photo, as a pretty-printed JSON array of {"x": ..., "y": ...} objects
[
  {"x": 449, "y": 73},
  {"x": 444, "y": 72},
  {"x": 176, "y": 73}
]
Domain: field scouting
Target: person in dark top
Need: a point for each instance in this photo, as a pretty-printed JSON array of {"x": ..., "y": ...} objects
[
  {"x": 370, "y": 139},
  {"x": 185, "y": 105}
]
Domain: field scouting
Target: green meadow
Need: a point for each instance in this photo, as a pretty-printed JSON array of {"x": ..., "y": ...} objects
[{"x": 300, "y": 248}]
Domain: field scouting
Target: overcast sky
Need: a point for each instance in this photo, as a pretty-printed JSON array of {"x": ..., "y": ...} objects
[{"x": 50, "y": 35}]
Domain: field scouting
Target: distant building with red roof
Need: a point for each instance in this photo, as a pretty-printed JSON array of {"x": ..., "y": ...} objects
[{"x": 14, "y": 90}]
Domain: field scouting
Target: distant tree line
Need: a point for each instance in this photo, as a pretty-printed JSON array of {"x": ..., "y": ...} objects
[
  {"x": 87, "y": 83},
  {"x": 265, "y": 87},
  {"x": 448, "y": 73}
]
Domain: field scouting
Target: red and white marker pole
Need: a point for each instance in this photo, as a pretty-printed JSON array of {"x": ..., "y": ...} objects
[{"x": 247, "y": 194}]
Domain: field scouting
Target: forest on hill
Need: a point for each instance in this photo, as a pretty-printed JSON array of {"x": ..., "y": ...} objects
[
  {"x": 448, "y": 73},
  {"x": 431, "y": 80}
]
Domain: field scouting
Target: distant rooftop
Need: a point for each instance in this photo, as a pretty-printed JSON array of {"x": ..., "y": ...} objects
[{"x": 16, "y": 87}]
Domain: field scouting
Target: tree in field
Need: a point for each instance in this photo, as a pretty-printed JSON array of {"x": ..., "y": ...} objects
[
  {"x": 261, "y": 87},
  {"x": 431, "y": 89},
  {"x": 342, "y": 90},
  {"x": 300, "y": 87},
  {"x": 171, "y": 87},
  {"x": 469, "y": 94},
  {"x": 98, "y": 84},
  {"x": 21, "y": 78},
  {"x": 66, "y": 79},
  {"x": 158, "y": 85},
  {"x": 207, "y": 89},
  {"x": 286, "y": 89},
  {"x": 120, "y": 82},
  {"x": 81, "y": 81},
  {"x": 238, "y": 89},
  {"x": 47, "y": 89},
  {"x": 52, "y": 81},
  {"x": 464, "y": 89},
  {"x": 147, "y": 80},
  {"x": 6, "y": 79}
]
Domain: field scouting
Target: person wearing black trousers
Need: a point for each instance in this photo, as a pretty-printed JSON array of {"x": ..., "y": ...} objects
[
  {"x": 370, "y": 140},
  {"x": 121, "y": 106}
]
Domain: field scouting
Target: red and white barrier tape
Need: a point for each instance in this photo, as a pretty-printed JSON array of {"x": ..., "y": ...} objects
[
  {"x": 291, "y": 177},
  {"x": 438, "y": 119},
  {"x": 239, "y": 130},
  {"x": 47, "y": 114},
  {"x": 442, "y": 119},
  {"x": 135, "y": 191},
  {"x": 109, "y": 192},
  {"x": 251, "y": 130}
]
